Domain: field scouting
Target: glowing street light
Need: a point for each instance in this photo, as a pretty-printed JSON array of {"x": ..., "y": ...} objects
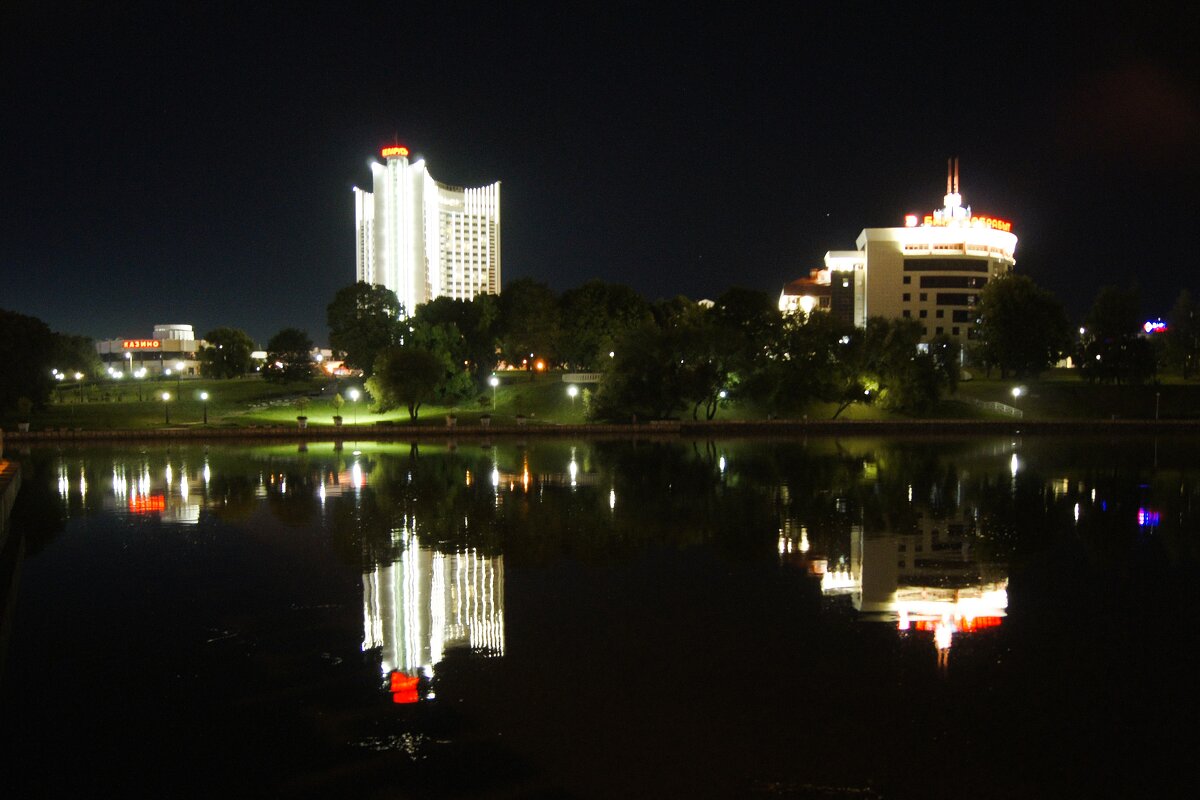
[
  {"x": 494, "y": 382},
  {"x": 204, "y": 399},
  {"x": 79, "y": 384},
  {"x": 354, "y": 395},
  {"x": 572, "y": 392},
  {"x": 1017, "y": 391},
  {"x": 166, "y": 408}
]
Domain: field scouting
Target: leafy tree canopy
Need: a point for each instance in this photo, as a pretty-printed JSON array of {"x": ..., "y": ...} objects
[
  {"x": 26, "y": 350},
  {"x": 1112, "y": 350},
  {"x": 364, "y": 319},
  {"x": 72, "y": 353},
  {"x": 1183, "y": 335},
  {"x": 473, "y": 324},
  {"x": 289, "y": 356},
  {"x": 227, "y": 354},
  {"x": 593, "y": 316},
  {"x": 529, "y": 321},
  {"x": 1022, "y": 329},
  {"x": 406, "y": 376}
]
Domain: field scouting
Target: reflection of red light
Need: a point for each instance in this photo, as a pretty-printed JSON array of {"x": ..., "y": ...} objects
[
  {"x": 405, "y": 696},
  {"x": 148, "y": 505},
  {"x": 403, "y": 687},
  {"x": 961, "y": 624}
]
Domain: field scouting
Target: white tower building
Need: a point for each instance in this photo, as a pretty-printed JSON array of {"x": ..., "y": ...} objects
[{"x": 424, "y": 239}]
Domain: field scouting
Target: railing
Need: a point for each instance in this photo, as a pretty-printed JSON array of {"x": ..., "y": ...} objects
[
  {"x": 999, "y": 408},
  {"x": 582, "y": 377}
]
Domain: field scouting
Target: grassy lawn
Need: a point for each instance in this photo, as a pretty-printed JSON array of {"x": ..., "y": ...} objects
[{"x": 543, "y": 399}]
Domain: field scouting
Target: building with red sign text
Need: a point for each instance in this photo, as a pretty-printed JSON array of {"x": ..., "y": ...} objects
[
  {"x": 932, "y": 269},
  {"x": 424, "y": 239},
  {"x": 171, "y": 350}
]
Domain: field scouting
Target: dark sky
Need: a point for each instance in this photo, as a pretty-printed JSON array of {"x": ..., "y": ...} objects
[{"x": 170, "y": 162}]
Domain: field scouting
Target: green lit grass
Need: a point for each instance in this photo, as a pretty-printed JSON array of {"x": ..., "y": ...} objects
[{"x": 543, "y": 400}]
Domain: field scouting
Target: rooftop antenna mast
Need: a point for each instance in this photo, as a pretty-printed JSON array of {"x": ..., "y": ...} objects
[{"x": 956, "y": 175}]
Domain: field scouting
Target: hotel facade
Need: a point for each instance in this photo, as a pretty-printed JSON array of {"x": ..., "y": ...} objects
[
  {"x": 424, "y": 239},
  {"x": 932, "y": 270}
]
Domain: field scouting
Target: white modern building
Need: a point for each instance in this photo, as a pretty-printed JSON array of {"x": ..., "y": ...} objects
[
  {"x": 424, "y": 239},
  {"x": 931, "y": 270}
]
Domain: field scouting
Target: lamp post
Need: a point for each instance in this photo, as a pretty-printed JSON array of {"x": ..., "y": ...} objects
[
  {"x": 204, "y": 399},
  {"x": 1157, "y": 396},
  {"x": 129, "y": 361},
  {"x": 494, "y": 381},
  {"x": 178, "y": 377},
  {"x": 79, "y": 384},
  {"x": 354, "y": 395},
  {"x": 572, "y": 392},
  {"x": 166, "y": 408}
]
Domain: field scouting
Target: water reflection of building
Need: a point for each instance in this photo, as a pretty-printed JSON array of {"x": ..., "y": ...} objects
[
  {"x": 427, "y": 602},
  {"x": 928, "y": 580},
  {"x": 172, "y": 493}
]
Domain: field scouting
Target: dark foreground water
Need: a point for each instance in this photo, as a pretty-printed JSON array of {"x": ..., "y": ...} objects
[{"x": 821, "y": 618}]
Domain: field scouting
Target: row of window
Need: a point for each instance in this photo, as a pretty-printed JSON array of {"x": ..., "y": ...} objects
[
  {"x": 944, "y": 298},
  {"x": 958, "y": 314}
]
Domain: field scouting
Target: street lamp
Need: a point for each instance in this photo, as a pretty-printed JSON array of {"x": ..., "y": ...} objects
[
  {"x": 79, "y": 383},
  {"x": 354, "y": 395},
  {"x": 494, "y": 381},
  {"x": 572, "y": 392},
  {"x": 178, "y": 376},
  {"x": 204, "y": 399},
  {"x": 166, "y": 408}
]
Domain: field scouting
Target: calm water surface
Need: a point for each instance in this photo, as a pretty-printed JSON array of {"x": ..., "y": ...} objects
[{"x": 819, "y": 618}]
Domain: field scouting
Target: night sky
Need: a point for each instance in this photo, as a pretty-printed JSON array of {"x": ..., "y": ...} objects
[{"x": 192, "y": 163}]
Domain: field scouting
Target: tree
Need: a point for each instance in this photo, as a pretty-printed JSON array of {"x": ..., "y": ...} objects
[
  {"x": 26, "y": 350},
  {"x": 1022, "y": 327},
  {"x": 406, "y": 376},
  {"x": 592, "y": 318},
  {"x": 808, "y": 359},
  {"x": 289, "y": 356},
  {"x": 226, "y": 353},
  {"x": 528, "y": 321},
  {"x": 1183, "y": 335},
  {"x": 1113, "y": 351},
  {"x": 363, "y": 320},
  {"x": 643, "y": 378},
  {"x": 474, "y": 324},
  {"x": 71, "y": 353},
  {"x": 456, "y": 383}
]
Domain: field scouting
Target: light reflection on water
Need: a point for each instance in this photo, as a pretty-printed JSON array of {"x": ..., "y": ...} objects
[{"x": 924, "y": 543}]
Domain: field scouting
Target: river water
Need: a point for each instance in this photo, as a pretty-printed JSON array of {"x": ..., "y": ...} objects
[{"x": 813, "y": 618}]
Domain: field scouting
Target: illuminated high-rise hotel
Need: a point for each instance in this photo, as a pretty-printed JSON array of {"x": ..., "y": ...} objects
[
  {"x": 424, "y": 239},
  {"x": 931, "y": 270}
]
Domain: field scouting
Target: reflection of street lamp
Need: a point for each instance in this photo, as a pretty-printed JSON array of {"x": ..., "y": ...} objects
[
  {"x": 494, "y": 381},
  {"x": 166, "y": 408},
  {"x": 204, "y": 398},
  {"x": 354, "y": 395}
]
